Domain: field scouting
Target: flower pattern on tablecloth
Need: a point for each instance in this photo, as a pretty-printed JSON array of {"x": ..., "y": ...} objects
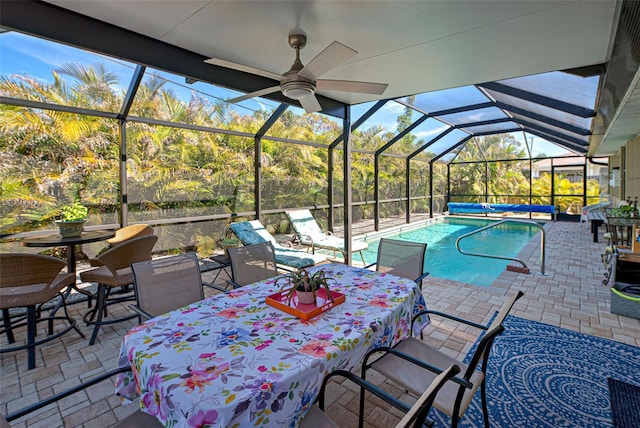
[{"x": 232, "y": 360}]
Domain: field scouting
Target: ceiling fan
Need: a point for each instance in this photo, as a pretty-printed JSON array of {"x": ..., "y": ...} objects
[{"x": 301, "y": 82}]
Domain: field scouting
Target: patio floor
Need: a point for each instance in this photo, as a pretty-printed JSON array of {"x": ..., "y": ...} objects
[{"x": 571, "y": 295}]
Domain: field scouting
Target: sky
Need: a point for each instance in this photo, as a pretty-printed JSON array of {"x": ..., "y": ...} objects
[{"x": 25, "y": 55}]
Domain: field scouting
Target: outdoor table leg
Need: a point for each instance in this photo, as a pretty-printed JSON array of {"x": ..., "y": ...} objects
[{"x": 595, "y": 225}]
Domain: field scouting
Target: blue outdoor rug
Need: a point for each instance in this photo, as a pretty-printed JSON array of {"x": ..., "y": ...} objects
[{"x": 545, "y": 376}]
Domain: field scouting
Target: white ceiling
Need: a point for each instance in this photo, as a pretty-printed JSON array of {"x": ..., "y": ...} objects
[
  {"x": 625, "y": 124},
  {"x": 414, "y": 46}
]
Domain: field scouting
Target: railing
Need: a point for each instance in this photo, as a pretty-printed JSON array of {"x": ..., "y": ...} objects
[{"x": 524, "y": 265}]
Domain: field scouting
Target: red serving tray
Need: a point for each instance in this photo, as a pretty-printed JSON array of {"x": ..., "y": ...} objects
[{"x": 305, "y": 311}]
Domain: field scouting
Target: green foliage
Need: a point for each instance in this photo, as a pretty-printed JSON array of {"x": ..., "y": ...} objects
[
  {"x": 301, "y": 280},
  {"x": 228, "y": 242},
  {"x": 624, "y": 211},
  {"x": 50, "y": 157},
  {"x": 75, "y": 212}
]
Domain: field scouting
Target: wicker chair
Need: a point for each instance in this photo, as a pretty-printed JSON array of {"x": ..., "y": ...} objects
[
  {"x": 405, "y": 365},
  {"x": 114, "y": 270},
  {"x": 30, "y": 280},
  {"x": 129, "y": 232},
  {"x": 415, "y": 417},
  {"x": 137, "y": 419},
  {"x": 122, "y": 235},
  {"x": 252, "y": 263},
  {"x": 402, "y": 258},
  {"x": 167, "y": 283}
]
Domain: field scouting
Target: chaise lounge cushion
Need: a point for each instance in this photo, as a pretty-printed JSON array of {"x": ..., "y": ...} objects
[{"x": 254, "y": 232}]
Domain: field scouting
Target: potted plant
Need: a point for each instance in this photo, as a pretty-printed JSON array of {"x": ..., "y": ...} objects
[
  {"x": 305, "y": 286},
  {"x": 625, "y": 215},
  {"x": 624, "y": 211},
  {"x": 228, "y": 242},
  {"x": 72, "y": 219}
]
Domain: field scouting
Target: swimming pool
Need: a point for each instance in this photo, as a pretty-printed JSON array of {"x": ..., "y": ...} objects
[{"x": 445, "y": 261}]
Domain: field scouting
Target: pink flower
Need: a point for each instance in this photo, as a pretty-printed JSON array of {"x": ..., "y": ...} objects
[
  {"x": 203, "y": 419},
  {"x": 365, "y": 285},
  {"x": 379, "y": 302},
  {"x": 264, "y": 345},
  {"x": 207, "y": 355},
  {"x": 237, "y": 293},
  {"x": 270, "y": 324},
  {"x": 324, "y": 336},
  {"x": 265, "y": 386},
  {"x": 317, "y": 348},
  {"x": 203, "y": 373},
  {"x": 152, "y": 398},
  {"x": 231, "y": 313}
]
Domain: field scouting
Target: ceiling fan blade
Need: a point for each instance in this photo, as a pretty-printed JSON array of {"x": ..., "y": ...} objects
[
  {"x": 351, "y": 86},
  {"x": 310, "y": 104},
  {"x": 254, "y": 94},
  {"x": 245, "y": 68},
  {"x": 332, "y": 56}
]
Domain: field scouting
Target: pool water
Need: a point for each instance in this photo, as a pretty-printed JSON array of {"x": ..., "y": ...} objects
[{"x": 445, "y": 261}]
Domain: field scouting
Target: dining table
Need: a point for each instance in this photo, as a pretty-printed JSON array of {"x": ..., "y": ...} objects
[{"x": 232, "y": 360}]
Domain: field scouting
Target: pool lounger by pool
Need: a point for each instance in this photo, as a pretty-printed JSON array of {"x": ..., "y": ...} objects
[{"x": 483, "y": 208}]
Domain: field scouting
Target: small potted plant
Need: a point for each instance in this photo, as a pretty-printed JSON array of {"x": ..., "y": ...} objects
[
  {"x": 228, "y": 242},
  {"x": 72, "y": 219},
  {"x": 626, "y": 211},
  {"x": 305, "y": 286}
]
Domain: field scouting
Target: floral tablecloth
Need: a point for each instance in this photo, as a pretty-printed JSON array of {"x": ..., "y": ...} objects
[{"x": 233, "y": 361}]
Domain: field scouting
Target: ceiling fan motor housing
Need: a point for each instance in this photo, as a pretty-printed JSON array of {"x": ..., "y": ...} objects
[{"x": 297, "y": 89}]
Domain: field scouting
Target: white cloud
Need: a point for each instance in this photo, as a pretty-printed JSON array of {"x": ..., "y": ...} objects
[{"x": 431, "y": 132}]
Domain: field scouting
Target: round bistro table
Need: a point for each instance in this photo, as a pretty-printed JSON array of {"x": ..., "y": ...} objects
[{"x": 56, "y": 240}]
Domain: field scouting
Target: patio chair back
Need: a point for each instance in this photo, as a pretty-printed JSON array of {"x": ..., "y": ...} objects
[
  {"x": 407, "y": 365},
  {"x": 136, "y": 419},
  {"x": 416, "y": 417},
  {"x": 402, "y": 258},
  {"x": 129, "y": 232},
  {"x": 168, "y": 283},
  {"x": 621, "y": 231},
  {"x": 113, "y": 269},
  {"x": 494, "y": 329},
  {"x": 252, "y": 263}
]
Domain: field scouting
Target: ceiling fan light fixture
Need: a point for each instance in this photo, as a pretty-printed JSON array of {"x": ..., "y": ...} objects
[{"x": 297, "y": 90}]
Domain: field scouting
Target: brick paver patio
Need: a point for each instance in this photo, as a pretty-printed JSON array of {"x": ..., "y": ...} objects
[{"x": 571, "y": 295}]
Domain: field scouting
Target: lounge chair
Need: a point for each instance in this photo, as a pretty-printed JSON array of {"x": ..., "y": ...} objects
[
  {"x": 254, "y": 232},
  {"x": 310, "y": 234}
]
